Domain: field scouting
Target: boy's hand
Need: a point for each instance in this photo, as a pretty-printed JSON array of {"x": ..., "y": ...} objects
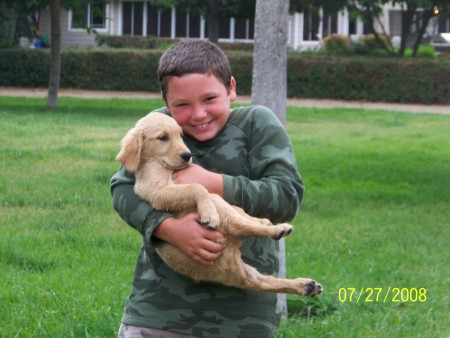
[
  {"x": 213, "y": 182},
  {"x": 196, "y": 241}
]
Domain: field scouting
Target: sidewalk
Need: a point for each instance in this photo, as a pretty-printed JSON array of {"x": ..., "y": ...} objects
[{"x": 309, "y": 103}]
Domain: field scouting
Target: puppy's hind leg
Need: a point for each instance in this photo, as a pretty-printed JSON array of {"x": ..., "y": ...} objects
[
  {"x": 300, "y": 286},
  {"x": 237, "y": 223},
  {"x": 262, "y": 221}
]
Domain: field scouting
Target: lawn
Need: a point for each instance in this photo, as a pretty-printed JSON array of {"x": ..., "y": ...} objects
[{"x": 373, "y": 229}]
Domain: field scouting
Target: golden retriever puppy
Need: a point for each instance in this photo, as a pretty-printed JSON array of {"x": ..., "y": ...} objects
[{"x": 152, "y": 150}]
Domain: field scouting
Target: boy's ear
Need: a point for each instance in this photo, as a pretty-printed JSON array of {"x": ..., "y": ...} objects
[
  {"x": 130, "y": 153},
  {"x": 232, "y": 90}
]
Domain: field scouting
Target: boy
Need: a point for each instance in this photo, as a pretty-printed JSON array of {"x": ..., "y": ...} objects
[{"x": 242, "y": 154}]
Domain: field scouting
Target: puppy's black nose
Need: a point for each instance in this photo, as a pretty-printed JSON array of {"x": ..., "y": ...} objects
[{"x": 186, "y": 156}]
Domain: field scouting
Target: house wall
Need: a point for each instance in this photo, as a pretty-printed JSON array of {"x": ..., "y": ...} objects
[
  {"x": 74, "y": 38},
  {"x": 79, "y": 37},
  {"x": 300, "y": 36}
]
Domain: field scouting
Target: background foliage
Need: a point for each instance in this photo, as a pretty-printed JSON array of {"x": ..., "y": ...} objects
[{"x": 309, "y": 76}]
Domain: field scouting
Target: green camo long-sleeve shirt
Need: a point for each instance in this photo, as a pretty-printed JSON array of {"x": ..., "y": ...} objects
[{"x": 256, "y": 159}]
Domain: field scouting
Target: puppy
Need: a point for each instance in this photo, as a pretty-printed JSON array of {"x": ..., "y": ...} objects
[{"x": 152, "y": 150}]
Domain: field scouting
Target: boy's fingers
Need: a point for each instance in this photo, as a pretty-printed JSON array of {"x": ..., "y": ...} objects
[
  {"x": 213, "y": 235},
  {"x": 207, "y": 257}
]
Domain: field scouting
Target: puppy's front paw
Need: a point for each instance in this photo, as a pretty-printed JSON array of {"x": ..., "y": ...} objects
[
  {"x": 282, "y": 230},
  {"x": 210, "y": 219},
  {"x": 312, "y": 289}
]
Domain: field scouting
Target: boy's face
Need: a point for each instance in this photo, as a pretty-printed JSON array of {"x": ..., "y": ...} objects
[{"x": 200, "y": 104}]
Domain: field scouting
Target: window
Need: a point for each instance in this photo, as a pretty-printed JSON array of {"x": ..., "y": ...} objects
[
  {"x": 311, "y": 20},
  {"x": 91, "y": 15},
  {"x": 133, "y": 18},
  {"x": 395, "y": 22},
  {"x": 352, "y": 25},
  {"x": 444, "y": 22},
  {"x": 181, "y": 29},
  {"x": 243, "y": 29},
  {"x": 152, "y": 20},
  {"x": 165, "y": 19},
  {"x": 224, "y": 28},
  {"x": 329, "y": 25},
  {"x": 97, "y": 15}
]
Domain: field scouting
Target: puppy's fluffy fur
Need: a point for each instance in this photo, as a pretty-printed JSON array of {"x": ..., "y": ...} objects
[{"x": 152, "y": 150}]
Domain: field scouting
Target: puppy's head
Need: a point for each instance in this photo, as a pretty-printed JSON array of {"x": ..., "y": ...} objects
[{"x": 154, "y": 137}]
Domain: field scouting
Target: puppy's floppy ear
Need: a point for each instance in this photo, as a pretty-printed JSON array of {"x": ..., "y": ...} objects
[{"x": 130, "y": 153}]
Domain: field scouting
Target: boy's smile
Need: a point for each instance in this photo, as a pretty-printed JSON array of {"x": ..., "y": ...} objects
[{"x": 200, "y": 104}]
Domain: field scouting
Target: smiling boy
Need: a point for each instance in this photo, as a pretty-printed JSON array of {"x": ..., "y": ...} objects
[{"x": 242, "y": 154}]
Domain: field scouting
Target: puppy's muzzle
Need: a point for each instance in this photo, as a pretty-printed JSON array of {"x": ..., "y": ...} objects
[{"x": 186, "y": 157}]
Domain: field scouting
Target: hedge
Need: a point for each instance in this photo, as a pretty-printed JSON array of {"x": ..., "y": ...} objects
[{"x": 349, "y": 78}]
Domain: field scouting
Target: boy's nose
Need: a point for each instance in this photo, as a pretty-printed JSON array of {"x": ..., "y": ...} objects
[{"x": 198, "y": 113}]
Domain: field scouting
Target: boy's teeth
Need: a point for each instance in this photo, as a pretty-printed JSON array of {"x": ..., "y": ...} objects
[{"x": 204, "y": 125}]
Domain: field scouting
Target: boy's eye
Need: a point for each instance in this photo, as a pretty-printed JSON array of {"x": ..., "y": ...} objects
[
  {"x": 163, "y": 138},
  {"x": 210, "y": 98}
]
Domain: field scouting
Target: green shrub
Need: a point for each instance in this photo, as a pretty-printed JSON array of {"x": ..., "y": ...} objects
[
  {"x": 371, "y": 79},
  {"x": 237, "y": 46},
  {"x": 24, "y": 67},
  {"x": 119, "y": 69},
  {"x": 368, "y": 44},
  {"x": 422, "y": 80},
  {"x": 7, "y": 26},
  {"x": 337, "y": 44},
  {"x": 152, "y": 42},
  {"x": 133, "y": 42},
  {"x": 426, "y": 51}
]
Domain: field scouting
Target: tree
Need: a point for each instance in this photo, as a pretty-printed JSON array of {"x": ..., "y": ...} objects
[
  {"x": 16, "y": 21},
  {"x": 370, "y": 12},
  {"x": 7, "y": 26},
  {"x": 416, "y": 13},
  {"x": 29, "y": 7},
  {"x": 55, "y": 64},
  {"x": 269, "y": 85}
]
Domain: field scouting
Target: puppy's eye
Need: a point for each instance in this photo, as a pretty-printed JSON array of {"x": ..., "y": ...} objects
[{"x": 163, "y": 138}]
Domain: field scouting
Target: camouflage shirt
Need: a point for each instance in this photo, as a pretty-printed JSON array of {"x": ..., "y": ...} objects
[{"x": 256, "y": 159}]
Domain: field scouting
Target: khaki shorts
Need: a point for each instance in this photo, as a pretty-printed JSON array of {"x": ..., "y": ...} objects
[{"x": 128, "y": 331}]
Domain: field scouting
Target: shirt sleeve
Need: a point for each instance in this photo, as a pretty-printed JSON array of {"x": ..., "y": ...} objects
[
  {"x": 134, "y": 211},
  {"x": 274, "y": 188}
]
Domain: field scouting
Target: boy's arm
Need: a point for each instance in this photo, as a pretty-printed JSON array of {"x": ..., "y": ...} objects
[
  {"x": 133, "y": 210},
  {"x": 198, "y": 242},
  {"x": 274, "y": 188}
]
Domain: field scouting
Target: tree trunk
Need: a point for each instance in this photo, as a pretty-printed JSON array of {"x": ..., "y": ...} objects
[
  {"x": 55, "y": 63},
  {"x": 269, "y": 85},
  {"x": 427, "y": 14},
  {"x": 407, "y": 19},
  {"x": 213, "y": 21}
]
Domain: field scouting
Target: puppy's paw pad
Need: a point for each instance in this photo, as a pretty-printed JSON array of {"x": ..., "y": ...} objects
[
  {"x": 284, "y": 230},
  {"x": 312, "y": 289},
  {"x": 210, "y": 222},
  {"x": 211, "y": 226}
]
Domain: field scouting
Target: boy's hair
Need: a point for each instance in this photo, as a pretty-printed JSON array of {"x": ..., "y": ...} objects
[{"x": 193, "y": 56}]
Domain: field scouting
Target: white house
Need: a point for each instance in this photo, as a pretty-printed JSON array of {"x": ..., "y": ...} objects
[{"x": 140, "y": 18}]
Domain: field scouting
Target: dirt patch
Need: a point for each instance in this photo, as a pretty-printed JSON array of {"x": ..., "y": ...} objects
[{"x": 309, "y": 103}]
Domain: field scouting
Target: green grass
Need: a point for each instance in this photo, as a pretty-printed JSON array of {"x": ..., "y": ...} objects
[{"x": 376, "y": 215}]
